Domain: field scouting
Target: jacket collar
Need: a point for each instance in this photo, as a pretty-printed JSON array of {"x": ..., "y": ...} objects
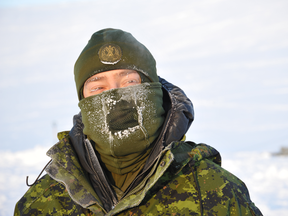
[{"x": 66, "y": 169}]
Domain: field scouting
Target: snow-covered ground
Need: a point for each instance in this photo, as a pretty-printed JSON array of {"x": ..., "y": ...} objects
[{"x": 266, "y": 177}]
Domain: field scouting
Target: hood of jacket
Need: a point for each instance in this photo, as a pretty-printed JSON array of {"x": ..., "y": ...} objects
[
  {"x": 179, "y": 113},
  {"x": 179, "y": 116}
]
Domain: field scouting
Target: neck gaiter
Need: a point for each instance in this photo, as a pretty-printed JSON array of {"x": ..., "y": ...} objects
[{"x": 123, "y": 123}]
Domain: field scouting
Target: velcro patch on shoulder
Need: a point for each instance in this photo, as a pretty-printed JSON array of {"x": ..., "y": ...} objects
[{"x": 202, "y": 151}]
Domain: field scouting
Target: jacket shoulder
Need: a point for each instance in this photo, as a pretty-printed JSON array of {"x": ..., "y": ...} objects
[
  {"x": 221, "y": 191},
  {"x": 36, "y": 195},
  {"x": 192, "y": 153},
  {"x": 47, "y": 197},
  {"x": 196, "y": 184}
]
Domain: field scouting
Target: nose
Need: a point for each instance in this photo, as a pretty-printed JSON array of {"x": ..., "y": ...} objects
[{"x": 114, "y": 85}]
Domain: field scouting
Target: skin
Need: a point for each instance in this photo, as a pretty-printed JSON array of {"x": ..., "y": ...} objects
[{"x": 110, "y": 80}]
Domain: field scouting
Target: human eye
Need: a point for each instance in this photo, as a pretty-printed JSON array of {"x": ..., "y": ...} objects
[
  {"x": 130, "y": 82},
  {"x": 96, "y": 89},
  {"x": 131, "y": 79}
]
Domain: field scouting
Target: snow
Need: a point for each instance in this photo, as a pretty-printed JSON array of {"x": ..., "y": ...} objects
[
  {"x": 14, "y": 167},
  {"x": 266, "y": 177},
  {"x": 125, "y": 133}
]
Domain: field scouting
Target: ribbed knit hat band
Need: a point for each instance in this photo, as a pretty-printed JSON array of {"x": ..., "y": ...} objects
[{"x": 111, "y": 49}]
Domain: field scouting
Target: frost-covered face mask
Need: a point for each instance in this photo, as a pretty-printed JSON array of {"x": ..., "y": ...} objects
[{"x": 123, "y": 122}]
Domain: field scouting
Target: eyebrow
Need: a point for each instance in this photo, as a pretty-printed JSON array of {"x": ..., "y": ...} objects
[
  {"x": 124, "y": 73},
  {"x": 94, "y": 79},
  {"x": 101, "y": 77}
]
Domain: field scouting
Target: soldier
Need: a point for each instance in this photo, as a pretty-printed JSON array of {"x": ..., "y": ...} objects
[{"x": 126, "y": 153}]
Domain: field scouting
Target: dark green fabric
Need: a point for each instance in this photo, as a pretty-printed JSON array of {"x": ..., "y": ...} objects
[
  {"x": 134, "y": 56},
  {"x": 123, "y": 123}
]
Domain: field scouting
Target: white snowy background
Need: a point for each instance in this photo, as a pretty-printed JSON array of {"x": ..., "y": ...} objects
[{"x": 230, "y": 57}]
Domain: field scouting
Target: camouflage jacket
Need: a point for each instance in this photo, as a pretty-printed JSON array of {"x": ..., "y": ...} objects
[
  {"x": 187, "y": 179},
  {"x": 184, "y": 178}
]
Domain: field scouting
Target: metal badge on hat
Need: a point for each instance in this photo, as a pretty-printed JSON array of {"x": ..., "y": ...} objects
[{"x": 110, "y": 54}]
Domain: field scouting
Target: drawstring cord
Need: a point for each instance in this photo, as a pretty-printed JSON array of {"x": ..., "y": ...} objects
[{"x": 29, "y": 185}]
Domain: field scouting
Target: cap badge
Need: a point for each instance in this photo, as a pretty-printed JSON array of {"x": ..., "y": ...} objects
[{"x": 110, "y": 54}]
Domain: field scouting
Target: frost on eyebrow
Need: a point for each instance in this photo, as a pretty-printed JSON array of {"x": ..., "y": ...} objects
[
  {"x": 126, "y": 73},
  {"x": 93, "y": 79},
  {"x": 131, "y": 74},
  {"x": 120, "y": 74}
]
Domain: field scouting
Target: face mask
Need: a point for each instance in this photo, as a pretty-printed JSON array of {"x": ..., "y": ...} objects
[{"x": 123, "y": 122}]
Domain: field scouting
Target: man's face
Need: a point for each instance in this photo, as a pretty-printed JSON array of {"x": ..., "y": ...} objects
[{"x": 110, "y": 80}]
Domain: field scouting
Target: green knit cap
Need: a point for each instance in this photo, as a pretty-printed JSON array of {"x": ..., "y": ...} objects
[{"x": 111, "y": 49}]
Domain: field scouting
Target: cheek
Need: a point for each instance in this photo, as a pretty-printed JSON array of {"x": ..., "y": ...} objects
[
  {"x": 87, "y": 92},
  {"x": 84, "y": 93}
]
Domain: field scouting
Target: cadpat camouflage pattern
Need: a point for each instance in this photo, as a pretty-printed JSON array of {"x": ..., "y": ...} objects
[{"x": 187, "y": 179}]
